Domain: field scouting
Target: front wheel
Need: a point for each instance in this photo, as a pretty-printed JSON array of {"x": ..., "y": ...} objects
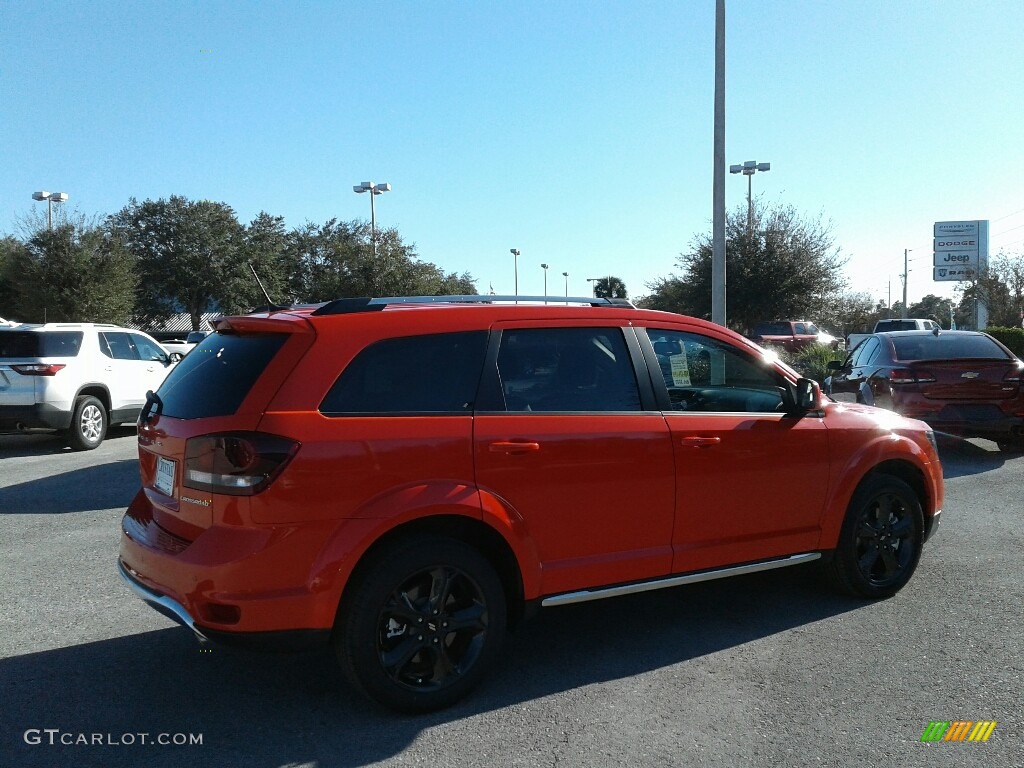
[
  {"x": 88, "y": 424},
  {"x": 881, "y": 539},
  {"x": 424, "y": 621}
]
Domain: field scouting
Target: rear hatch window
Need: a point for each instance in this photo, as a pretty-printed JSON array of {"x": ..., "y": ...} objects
[
  {"x": 214, "y": 378},
  {"x": 22, "y": 344},
  {"x": 946, "y": 347}
]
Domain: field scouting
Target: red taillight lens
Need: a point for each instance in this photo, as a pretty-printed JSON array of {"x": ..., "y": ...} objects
[
  {"x": 236, "y": 463},
  {"x": 39, "y": 369},
  {"x": 923, "y": 376},
  {"x": 901, "y": 376},
  {"x": 1013, "y": 376}
]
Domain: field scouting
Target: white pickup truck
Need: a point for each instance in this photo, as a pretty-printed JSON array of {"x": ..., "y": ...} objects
[{"x": 894, "y": 324}]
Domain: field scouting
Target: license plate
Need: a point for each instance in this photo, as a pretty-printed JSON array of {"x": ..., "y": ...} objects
[{"x": 165, "y": 475}]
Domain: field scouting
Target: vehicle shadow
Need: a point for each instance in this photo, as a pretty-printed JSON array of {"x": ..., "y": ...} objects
[
  {"x": 961, "y": 457},
  {"x": 14, "y": 445},
  {"x": 268, "y": 710},
  {"x": 102, "y": 486}
]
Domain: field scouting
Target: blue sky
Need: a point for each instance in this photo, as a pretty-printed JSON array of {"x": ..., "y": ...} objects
[{"x": 578, "y": 132}]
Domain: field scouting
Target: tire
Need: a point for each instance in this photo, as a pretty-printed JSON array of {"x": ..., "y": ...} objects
[
  {"x": 881, "y": 539},
  {"x": 88, "y": 424},
  {"x": 393, "y": 637},
  {"x": 1010, "y": 446}
]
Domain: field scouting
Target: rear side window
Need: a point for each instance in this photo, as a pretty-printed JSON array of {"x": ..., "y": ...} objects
[
  {"x": 15, "y": 344},
  {"x": 930, "y": 347},
  {"x": 773, "y": 329},
  {"x": 437, "y": 373},
  {"x": 214, "y": 378},
  {"x": 567, "y": 369}
]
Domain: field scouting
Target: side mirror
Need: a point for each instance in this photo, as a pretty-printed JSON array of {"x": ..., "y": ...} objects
[
  {"x": 801, "y": 397},
  {"x": 174, "y": 357},
  {"x": 834, "y": 365}
]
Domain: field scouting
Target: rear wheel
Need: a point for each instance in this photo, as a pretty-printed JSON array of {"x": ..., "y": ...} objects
[
  {"x": 423, "y": 623},
  {"x": 88, "y": 424},
  {"x": 881, "y": 539}
]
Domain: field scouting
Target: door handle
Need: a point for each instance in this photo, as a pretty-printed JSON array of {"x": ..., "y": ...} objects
[
  {"x": 511, "y": 447},
  {"x": 701, "y": 442}
]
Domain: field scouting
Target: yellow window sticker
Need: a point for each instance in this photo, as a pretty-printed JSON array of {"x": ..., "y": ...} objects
[{"x": 680, "y": 371}]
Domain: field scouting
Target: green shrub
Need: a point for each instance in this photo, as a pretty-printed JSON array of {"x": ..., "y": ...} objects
[
  {"x": 1011, "y": 337},
  {"x": 812, "y": 361}
]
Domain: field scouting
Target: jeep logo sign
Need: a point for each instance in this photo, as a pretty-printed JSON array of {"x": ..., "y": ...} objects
[{"x": 960, "y": 249}]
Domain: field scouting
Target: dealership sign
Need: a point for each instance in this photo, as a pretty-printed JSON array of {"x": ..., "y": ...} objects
[{"x": 960, "y": 249}]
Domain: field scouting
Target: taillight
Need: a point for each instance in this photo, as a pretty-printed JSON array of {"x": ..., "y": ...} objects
[
  {"x": 39, "y": 369},
  {"x": 236, "y": 463},
  {"x": 1013, "y": 376},
  {"x": 908, "y": 376}
]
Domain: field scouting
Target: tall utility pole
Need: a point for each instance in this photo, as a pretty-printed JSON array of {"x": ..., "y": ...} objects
[
  {"x": 906, "y": 274},
  {"x": 718, "y": 280}
]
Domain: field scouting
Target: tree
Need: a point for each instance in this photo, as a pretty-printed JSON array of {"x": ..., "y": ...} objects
[
  {"x": 11, "y": 253},
  {"x": 1001, "y": 288},
  {"x": 265, "y": 245},
  {"x": 337, "y": 260},
  {"x": 69, "y": 274},
  {"x": 610, "y": 288},
  {"x": 938, "y": 308},
  {"x": 781, "y": 266},
  {"x": 190, "y": 256},
  {"x": 851, "y": 313}
]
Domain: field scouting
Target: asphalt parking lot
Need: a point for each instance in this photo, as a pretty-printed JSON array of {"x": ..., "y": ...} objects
[{"x": 766, "y": 670}]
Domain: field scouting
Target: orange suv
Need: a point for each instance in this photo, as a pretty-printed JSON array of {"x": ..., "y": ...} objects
[{"x": 402, "y": 478}]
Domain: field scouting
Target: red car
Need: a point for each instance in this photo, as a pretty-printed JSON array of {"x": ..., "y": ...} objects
[
  {"x": 962, "y": 382},
  {"x": 403, "y": 478}
]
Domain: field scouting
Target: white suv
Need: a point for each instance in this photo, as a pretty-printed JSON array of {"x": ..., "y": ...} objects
[{"x": 77, "y": 378}]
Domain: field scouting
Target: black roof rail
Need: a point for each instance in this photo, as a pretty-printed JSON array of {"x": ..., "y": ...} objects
[{"x": 344, "y": 306}]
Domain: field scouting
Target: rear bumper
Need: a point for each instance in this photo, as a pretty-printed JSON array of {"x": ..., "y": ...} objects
[
  {"x": 36, "y": 416},
  {"x": 246, "y": 584},
  {"x": 288, "y": 640},
  {"x": 172, "y": 609},
  {"x": 1009, "y": 428}
]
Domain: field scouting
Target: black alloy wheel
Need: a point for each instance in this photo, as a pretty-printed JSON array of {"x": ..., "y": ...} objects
[
  {"x": 881, "y": 539},
  {"x": 424, "y": 622}
]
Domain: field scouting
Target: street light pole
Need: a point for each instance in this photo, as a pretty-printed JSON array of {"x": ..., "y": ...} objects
[
  {"x": 515, "y": 266},
  {"x": 50, "y": 198},
  {"x": 374, "y": 190},
  {"x": 566, "y": 276},
  {"x": 906, "y": 274},
  {"x": 748, "y": 169},
  {"x": 545, "y": 268},
  {"x": 593, "y": 285}
]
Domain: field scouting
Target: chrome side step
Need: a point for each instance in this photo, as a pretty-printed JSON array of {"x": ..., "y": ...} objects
[{"x": 675, "y": 581}]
